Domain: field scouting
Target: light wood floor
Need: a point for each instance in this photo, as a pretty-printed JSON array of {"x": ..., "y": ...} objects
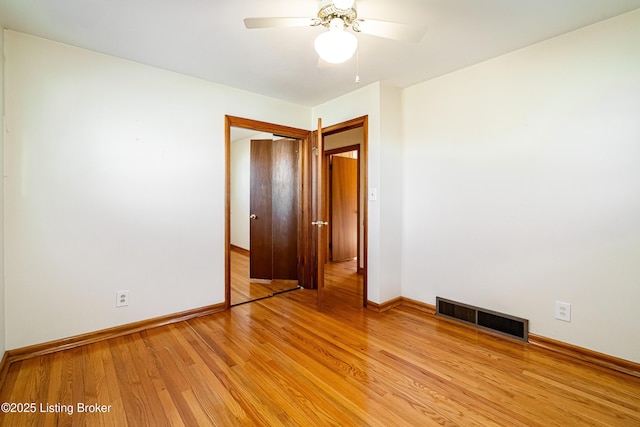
[
  {"x": 243, "y": 289},
  {"x": 279, "y": 361}
]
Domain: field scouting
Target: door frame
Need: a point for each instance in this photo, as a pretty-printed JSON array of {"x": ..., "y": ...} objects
[
  {"x": 305, "y": 200},
  {"x": 358, "y": 122},
  {"x": 306, "y": 179}
]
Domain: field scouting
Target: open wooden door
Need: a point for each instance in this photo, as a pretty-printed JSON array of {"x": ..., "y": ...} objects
[
  {"x": 274, "y": 188},
  {"x": 320, "y": 214},
  {"x": 285, "y": 209}
]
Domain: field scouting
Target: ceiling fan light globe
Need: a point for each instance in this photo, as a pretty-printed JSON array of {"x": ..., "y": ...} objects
[{"x": 336, "y": 46}]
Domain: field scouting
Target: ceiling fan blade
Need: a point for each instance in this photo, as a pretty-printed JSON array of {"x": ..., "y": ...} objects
[
  {"x": 391, "y": 30},
  {"x": 251, "y": 23}
]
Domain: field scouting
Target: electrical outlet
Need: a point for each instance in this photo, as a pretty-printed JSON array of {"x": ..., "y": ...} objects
[
  {"x": 563, "y": 311},
  {"x": 122, "y": 298}
]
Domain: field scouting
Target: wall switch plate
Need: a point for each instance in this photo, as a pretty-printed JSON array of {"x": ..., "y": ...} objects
[
  {"x": 122, "y": 298},
  {"x": 563, "y": 311},
  {"x": 373, "y": 194}
]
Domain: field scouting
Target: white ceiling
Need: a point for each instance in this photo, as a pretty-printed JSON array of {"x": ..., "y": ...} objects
[{"x": 207, "y": 38}]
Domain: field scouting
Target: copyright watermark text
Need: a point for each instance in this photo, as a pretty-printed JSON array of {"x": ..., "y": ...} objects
[{"x": 70, "y": 409}]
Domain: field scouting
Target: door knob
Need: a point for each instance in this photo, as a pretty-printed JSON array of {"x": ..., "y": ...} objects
[
  {"x": 319, "y": 223},
  {"x": 253, "y": 216}
]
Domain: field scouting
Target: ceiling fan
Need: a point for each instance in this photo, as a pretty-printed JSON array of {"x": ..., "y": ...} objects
[{"x": 338, "y": 44}]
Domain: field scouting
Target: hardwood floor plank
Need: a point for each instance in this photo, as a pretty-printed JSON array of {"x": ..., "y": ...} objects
[
  {"x": 160, "y": 380},
  {"x": 327, "y": 381},
  {"x": 196, "y": 409},
  {"x": 173, "y": 361},
  {"x": 132, "y": 370},
  {"x": 52, "y": 394},
  {"x": 286, "y": 396},
  {"x": 231, "y": 384},
  {"x": 113, "y": 394}
]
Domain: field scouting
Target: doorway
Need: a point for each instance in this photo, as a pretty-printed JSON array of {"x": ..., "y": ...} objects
[
  {"x": 312, "y": 205},
  {"x": 264, "y": 205},
  {"x": 344, "y": 203},
  {"x": 264, "y": 199},
  {"x": 345, "y": 149}
]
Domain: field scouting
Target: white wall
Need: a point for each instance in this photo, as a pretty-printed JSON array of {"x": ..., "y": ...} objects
[
  {"x": 390, "y": 192},
  {"x": 2, "y": 130},
  {"x": 383, "y": 273},
  {"x": 522, "y": 186},
  {"x": 240, "y": 189},
  {"x": 114, "y": 180}
]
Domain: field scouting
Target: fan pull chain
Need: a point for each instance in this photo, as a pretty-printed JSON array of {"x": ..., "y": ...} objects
[{"x": 358, "y": 64}]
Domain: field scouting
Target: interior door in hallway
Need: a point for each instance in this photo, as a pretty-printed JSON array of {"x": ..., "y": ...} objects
[
  {"x": 344, "y": 208},
  {"x": 274, "y": 198}
]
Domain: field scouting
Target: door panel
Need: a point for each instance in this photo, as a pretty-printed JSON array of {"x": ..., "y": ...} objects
[
  {"x": 285, "y": 208},
  {"x": 344, "y": 208},
  {"x": 274, "y": 209},
  {"x": 260, "y": 231}
]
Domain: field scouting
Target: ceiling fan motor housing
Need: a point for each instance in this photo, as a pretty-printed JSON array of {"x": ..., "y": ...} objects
[{"x": 329, "y": 11}]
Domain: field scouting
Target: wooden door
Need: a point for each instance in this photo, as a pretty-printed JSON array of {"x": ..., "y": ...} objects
[
  {"x": 274, "y": 206},
  {"x": 344, "y": 208},
  {"x": 285, "y": 207},
  {"x": 260, "y": 207},
  {"x": 320, "y": 212}
]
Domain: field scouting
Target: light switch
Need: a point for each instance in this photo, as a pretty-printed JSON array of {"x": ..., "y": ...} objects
[{"x": 373, "y": 194}]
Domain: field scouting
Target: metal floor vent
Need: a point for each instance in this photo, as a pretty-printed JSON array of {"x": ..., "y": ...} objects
[{"x": 504, "y": 324}]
